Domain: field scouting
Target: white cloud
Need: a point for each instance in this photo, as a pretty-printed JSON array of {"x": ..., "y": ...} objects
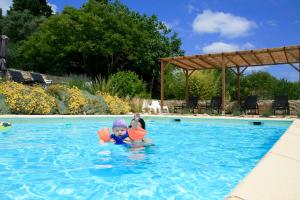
[
  {"x": 192, "y": 8},
  {"x": 225, "y": 24},
  {"x": 218, "y": 47},
  {"x": 4, "y": 5},
  {"x": 53, "y": 7}
]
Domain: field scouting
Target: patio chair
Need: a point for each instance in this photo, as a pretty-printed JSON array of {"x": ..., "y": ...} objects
[
  {"x": 214, "y": 104},
  {"x": 39, "y": 78},
  {"x": 250, "y": 104},
  {"x": 155, "y": 106},
  {"x": 281, "y": 103},
  {"x": 18, "y": 77},
  {"x": 191, "y": 104}
]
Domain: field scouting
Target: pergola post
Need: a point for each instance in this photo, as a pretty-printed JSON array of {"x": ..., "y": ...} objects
[
  {"x": 162, "y": 78},
  {"x": 239, "y": 85},
  {"x": 223, "y": 85},
  {"x": 186, "y": 85}
]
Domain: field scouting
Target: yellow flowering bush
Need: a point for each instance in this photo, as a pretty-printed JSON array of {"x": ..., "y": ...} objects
[
  {"x": 115, "y": 104},
  {"x": 76, "y": 100},
  {"x": 25, "y": 99}
]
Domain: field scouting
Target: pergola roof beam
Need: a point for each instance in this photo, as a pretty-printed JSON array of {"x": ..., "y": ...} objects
[
  {"x": 295, "y": 57},
  {"x": 270, "y": 54},
  {"x": 256, "y": 57},
  {"x": 206, "y": 61},
  {"x": 227, "y": 57},
  {"x": 179, "y": 61},
  {"x": 295, "y": 67},
  {"x": 285, "y": 54},
  {"x": 192, "y": 61},
  {"x": 242, "y": 57},
  {"x": 184, "y": 66},
  {"x": 251, "y": 58}
]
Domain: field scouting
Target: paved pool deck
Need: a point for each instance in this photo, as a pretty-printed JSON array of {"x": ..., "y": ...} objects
[{"x": 275, "y": 177}]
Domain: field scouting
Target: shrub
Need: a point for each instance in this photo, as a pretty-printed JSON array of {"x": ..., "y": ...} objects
[
  {"x": 61, "y": 95},
  {"x": 115, "y": 104},
  {"x": 298, "y": 114},
  {"x": 26, "y": 100},
  {"x": 267, "y": 114},
  {"x": 3, "y": 106},
  {"x": 76, "y": 100},
  {"x": 136, "y": 104},
  {"x": 58, "y": 91},
  {"x": 95, "y": 104},
  {"x": 68, "y": 100},
  {"x": 203, "y": 85},
  {"x": 174, "y": 86},
  {"x": 80, "y": 81},
  {"x": 104, "y": 86},
  {"x": 127, "y": 84}
]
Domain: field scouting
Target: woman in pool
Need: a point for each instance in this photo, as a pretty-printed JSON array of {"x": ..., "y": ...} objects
[{"x": 137, "y": 121}]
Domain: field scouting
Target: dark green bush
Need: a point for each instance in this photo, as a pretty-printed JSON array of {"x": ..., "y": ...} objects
[{"x": 127, "y": 84}]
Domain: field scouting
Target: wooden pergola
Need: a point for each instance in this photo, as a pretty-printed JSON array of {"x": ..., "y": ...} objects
[{"x": 239, "y": 60}]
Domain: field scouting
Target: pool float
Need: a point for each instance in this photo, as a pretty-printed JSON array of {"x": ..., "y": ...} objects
[
  {"x": 4, "y": 126},
  {"x": 137, "y": 133},
  {"x": 104, "y": 134},
  {"x": 133, "y": 133}
]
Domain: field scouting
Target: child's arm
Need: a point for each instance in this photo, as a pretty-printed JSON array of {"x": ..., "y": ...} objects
[
  {"x": 127, "y": 140},
  {"x": 112, "y": 140}
]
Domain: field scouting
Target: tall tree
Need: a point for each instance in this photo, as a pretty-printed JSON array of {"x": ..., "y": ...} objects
[
  {"x": 101, "y": 38},
  {"x": 20, "y": 25},
  {"x": 35, "y": 7}
]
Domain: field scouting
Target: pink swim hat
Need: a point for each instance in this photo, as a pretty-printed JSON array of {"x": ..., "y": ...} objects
[{"x": 119, "y": 123}]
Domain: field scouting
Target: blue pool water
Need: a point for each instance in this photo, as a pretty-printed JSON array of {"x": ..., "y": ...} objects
[{"x": 191, "y": 159}]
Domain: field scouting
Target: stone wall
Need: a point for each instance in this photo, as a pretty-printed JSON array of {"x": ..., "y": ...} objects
[{"x": 263, "y": 105}]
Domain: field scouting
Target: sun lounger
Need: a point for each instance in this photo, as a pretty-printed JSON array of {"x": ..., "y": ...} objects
[
  {"x": 191, "y": 104},
  {"x": 39, "y": 78},
  {"x": 215, "y": 104},
  {"x": 250, "y": 105},
  {"x": 281, "y": 103},
  {"x": 18, "y": 77}
]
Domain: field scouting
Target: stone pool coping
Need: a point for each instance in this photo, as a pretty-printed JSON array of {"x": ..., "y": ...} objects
[
  {"x": 275, "y": 177},
  {"x": 277, "y": 174}
]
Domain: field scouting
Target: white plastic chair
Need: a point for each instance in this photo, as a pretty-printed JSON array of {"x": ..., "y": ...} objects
[
  {"x": 155, "y": 106},
  {"x": 145, "y": 105},
  {"x": 165, "y": 109}
]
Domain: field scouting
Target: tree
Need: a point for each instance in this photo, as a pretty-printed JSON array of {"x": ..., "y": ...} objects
[
  {"x": 101, "y": 38},
  {"x": 259, "y": 83},
  {"x": 35, "y": 7},
  {"x": 20, "y": 25}
]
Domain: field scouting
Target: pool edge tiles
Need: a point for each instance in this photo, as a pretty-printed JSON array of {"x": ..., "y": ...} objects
[{"x": 277, "y": 175}]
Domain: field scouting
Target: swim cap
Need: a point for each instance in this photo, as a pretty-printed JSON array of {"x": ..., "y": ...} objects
[{"x": 119, "y": 123}]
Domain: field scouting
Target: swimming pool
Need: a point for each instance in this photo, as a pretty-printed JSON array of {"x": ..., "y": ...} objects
[{"x": 191, "y": 159}]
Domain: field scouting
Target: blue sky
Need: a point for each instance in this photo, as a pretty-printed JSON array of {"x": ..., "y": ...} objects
[{"x": 207, "y": 26}]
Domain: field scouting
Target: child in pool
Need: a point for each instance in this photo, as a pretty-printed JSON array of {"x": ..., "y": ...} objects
[{"x": 120, "y": 135}]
